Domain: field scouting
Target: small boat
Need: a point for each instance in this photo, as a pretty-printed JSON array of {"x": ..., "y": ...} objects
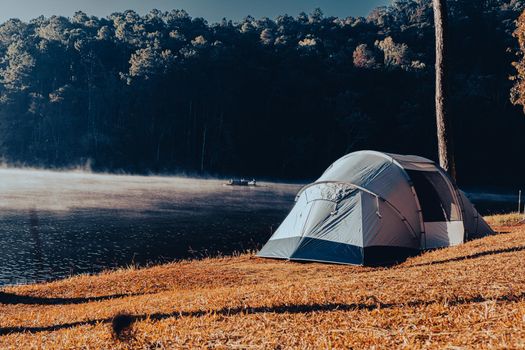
[{"x": 241, "y": 182}]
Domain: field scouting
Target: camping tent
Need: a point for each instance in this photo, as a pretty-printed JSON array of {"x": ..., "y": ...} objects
[{"x": 372, "y": 208}]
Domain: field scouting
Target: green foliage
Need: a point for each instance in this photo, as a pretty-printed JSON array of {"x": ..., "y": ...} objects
[{"x": 283, "y": 97}]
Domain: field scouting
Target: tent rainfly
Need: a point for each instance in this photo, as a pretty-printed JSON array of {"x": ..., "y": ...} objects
[{"x": 372, "y": 208}]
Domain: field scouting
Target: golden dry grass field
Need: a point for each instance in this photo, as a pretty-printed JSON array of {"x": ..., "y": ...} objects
[{"x": 469, "y": 296}]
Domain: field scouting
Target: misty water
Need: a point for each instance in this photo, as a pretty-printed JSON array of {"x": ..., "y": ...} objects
[{"x": 57, "y": 224}]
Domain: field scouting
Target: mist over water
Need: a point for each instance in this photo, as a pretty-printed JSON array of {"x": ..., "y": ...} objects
[{"x": 55, "y": 224}]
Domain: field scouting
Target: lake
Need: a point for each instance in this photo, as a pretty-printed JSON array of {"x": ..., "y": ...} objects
[{"x": 57, "y": 224}]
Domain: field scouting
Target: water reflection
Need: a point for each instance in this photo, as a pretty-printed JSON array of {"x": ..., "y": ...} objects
[{"x": 37, "y": 240}]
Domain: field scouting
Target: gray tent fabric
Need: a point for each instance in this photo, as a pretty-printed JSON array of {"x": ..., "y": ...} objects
[
  {"x": 475, "y": 226},
  {"x": 373, "y": 208}
]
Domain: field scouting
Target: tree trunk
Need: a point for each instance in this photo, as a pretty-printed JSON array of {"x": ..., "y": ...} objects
[{"x": 444, "y": 127}]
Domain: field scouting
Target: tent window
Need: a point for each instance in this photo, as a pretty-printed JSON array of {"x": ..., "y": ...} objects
[{"x": 436, "y": 200}]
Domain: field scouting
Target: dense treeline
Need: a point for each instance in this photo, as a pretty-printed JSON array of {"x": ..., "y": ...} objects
[{"x": 282, "y": 98}]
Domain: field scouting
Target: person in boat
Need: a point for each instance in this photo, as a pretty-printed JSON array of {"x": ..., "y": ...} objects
[{"x": 242, "y": 182}]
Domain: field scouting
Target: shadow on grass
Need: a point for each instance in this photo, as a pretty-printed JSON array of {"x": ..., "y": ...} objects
[
  {"x": 14, "y": 299},
  {"x": 282, "y": 309},
  {"x": 467, "y": 257}
]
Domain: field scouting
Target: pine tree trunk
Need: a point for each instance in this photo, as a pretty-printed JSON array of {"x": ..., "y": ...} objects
[{"x": 444, "y": 132}]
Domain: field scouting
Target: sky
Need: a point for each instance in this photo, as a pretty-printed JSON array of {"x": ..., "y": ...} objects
[{"x": 212, "y": 10}]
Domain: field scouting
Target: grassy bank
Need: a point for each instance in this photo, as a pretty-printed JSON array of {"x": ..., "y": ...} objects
[{"x": 467, "y": 296}]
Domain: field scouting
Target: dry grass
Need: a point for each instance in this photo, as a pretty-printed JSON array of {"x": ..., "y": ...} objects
[
  {"x": 470, "y": 296},
  {"x": 506, "y": 219}
]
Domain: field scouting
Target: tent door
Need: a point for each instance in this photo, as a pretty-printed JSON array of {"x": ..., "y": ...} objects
[{"x": 440, "y": 209}]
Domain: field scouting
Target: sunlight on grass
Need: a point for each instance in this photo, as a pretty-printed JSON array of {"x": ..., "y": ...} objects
[{"x": 505, "y": 219}]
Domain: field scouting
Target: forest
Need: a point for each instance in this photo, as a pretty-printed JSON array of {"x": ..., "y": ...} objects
[{"x": 268, "y": 98}]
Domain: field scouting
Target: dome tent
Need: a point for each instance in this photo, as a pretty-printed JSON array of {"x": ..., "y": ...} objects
[{"x": 372, "y": 208}]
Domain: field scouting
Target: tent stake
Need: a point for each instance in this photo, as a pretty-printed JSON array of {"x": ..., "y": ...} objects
[{"x": 519, "y": 202}]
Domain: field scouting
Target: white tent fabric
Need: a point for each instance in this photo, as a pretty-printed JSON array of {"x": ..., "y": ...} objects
[{"x": 375, "y": 208}]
